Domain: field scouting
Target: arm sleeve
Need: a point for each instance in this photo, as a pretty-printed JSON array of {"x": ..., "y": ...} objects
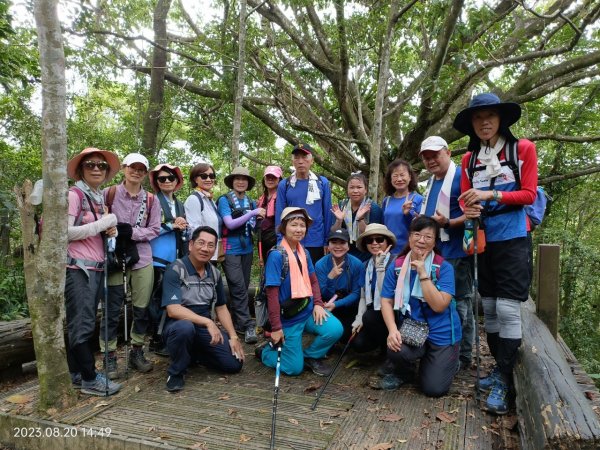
[
  {"x": 314, "y": 284},
  {"x": 152, "y": 228},
  {"x": 232, "y": 224},
  {"x": 77, "y": 233},
  {"x": 326, "y": 286},
  {"x": 529, "y": 176},
  {"x": 274, "y": 308}
]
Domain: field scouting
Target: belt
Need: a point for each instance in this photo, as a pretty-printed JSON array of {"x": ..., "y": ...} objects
[{"x": 85, "y": 263}]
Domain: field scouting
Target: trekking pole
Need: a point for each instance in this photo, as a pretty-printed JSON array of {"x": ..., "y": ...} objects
[
  {"x": 329, "y": 378},
  {"x": 125, "y": 331},
  {"x": 105, "y": 301},
  {"x": 475, "y": 288},
  {"x": 275, "y": 395}
]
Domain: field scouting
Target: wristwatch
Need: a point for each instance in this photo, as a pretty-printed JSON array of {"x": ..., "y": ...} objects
[{"x": 447, "y": 224}]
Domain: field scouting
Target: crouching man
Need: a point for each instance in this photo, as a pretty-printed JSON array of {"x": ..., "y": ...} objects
[{"x": 191, "y": 286}]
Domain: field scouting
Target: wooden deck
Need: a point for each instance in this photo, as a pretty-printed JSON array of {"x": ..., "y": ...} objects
[{"x": 234, "y": 412}]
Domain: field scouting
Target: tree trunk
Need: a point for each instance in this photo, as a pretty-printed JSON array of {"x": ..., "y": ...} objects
[
  {"x": 157, "y": 80},
  {"x": 239, "y": 92},
  {"x": 45, "y": 260}
]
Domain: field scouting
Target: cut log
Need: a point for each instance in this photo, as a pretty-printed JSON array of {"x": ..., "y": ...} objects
[
  {"x": 553, "y": 412},
  {"x": 16, "y": 346}
]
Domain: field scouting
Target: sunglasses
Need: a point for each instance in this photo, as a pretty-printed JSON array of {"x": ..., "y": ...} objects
[
  {"x": 102, "y": 165},
  {"x": 378, "y": 239},
  {"x": 166, "y": 178},
  {"x": 204, "y": 176}
]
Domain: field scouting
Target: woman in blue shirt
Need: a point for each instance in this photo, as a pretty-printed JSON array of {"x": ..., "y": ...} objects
[{"x": 420, "y": 285}]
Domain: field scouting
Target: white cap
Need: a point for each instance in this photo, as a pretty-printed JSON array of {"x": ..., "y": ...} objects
[
  {"x": 433, "y": 143},
  {"x": 133, "y": 158}
]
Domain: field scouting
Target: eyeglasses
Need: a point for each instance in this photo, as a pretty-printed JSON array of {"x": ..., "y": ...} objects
[
  {"x": 378, "y": 239},
  {"x": 137, "y": 169},
  {"x": 166, "y": 178},
  {"x": 204, "y": 244},
  {"x": 204, "y": 176},
  {"x": 102, "y": 165},
  {"x": 426, "y": 237}
]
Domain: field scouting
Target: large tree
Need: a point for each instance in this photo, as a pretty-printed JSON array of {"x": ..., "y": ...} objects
[{"x": 315, "y": 69}]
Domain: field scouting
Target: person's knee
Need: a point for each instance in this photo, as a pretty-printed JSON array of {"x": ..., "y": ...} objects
[
  {"x": 434, "y": 389},
  {"x": 182, "y": 330},
  {"x": 232, "y": 365},
  {"x": 509, "y": 318},
  {"x": 332, "y": 329}
]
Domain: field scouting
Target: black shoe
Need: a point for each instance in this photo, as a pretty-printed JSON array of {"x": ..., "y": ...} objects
[
  {"x": 138, "y": 361},
  {"x": 112, "y": 369},
  {"x": 317, "y": 366},
  {"x": 158, "y": 348},
  {"x": 175, "y": 383},
  {"x": 387, "y": 368},
  {"x": 259, "y": 349}
]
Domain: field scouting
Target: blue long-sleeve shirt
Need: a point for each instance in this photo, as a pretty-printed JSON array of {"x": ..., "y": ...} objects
[
  {"x": 319, "y": 211},
  {"x": 351, "y": 279}
]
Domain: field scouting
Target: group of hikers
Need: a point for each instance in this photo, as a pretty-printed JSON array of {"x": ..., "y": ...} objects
[{"x": 396, "y": 277}]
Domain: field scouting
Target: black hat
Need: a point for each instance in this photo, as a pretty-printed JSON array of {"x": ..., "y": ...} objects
[
  {"x": 302, "y": 147},
  {"x": 341, "y": 234}
]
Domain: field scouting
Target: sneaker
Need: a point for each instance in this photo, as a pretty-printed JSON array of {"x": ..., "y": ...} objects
[
  {"x": 317, "y": 366},
  {"x": 76, "y": 380},
  {"x": 389, "y": 382},
  {"x": 386, "y": 368},
  {"x": 98, "y": 386},
  {"x": 486, "y": 383},
  {"x": 250, "y": 336},
  {"x": 113, "y": 373},
  {"x": 175, "y": 383},
  {"x": 138, "y": 361},
  {"x": 496, "y": 402}
]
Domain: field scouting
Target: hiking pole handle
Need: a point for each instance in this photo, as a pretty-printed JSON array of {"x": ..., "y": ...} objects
[{"x": 337, "y": 363}]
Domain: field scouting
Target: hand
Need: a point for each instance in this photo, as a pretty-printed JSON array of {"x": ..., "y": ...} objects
[
  {"x": 440, "y": 218},
  {"x": 277, "y": 337},
  {"x": 473, "y": 212},
  {"x": 236, "y": 349},
  {"x": 180, "y": 223},
  {"x": 417, "y": 262},
  {"x": 408, "y": 204},
  {"x": 215, "y": 334},
  {"x": 357, "y": 326},
  {"x": 362, "y": 211},
  {"x": 320, "y": 315},
  {"x": 111, "y": 231},
  {"x": 329, "y": 306},
  {"x": 394, "y": 341},
  {"x": 474, "y": 196},
  {"x": 380, "y": 259},
  {"x": 262, "y": 213},
  {"x": 125, "y": 230},
  {"x": 336, "y": 271},
  {"x": 338, "y": 213}
]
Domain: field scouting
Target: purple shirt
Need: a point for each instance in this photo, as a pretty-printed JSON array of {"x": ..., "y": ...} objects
[{"x": 127, "y": 207}]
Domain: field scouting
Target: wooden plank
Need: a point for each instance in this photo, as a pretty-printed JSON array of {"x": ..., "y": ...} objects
[{"x": 548, "y": 282}]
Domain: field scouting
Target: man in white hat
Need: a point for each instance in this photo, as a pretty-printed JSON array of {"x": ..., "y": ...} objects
[
  {"x": 440, "y": 202},
  {"x": 138, "y": 216}
]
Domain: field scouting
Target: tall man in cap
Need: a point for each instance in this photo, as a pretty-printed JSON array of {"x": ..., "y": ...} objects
[
  {"x": 306, "y": 190},
  {"x": 500, "y": 178},
  {"x": 440, "y": 202},
  {"x": 138, "y": 217}
]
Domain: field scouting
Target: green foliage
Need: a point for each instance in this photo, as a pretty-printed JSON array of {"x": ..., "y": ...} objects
[{"x": 13, "y": 299}]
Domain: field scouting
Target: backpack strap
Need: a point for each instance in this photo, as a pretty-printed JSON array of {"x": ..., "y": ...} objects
[
  {"x": 110, "y": 197},
  {"x": 385, "y": 202},
  {"x": 511, "y": 154},
  {"x": 201, "y": 200},
  {"x": 285, "y": 266},
  {"x": 84, "y": 205}
]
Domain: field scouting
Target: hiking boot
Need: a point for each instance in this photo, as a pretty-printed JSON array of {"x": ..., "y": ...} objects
[
  {"x": 386, "y": 368},
  {"x": 98, "y": 386},
  {"x": 250, "y": 336},
  {"x": 486, "y": 383},
  {"x": 496, "y": 403},
  {"x": 76, "y": 380},
  {"x": 138, "y": 361},
  {"x": 389, "y": 382},
  {"x": 317, "y": 366},
  {"x": 157, "y": 347},
  {"x": 113, "y": 373},
  {"x": 175, "y": 383}
]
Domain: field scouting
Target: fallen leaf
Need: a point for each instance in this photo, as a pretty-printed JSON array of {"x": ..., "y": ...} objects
[
  {"x": 382, "y": 446},
  {"x": 426, "y": 412},
  {"x": 244, "y": 438},
  {"x": 100, "y": 404},
  {"x": 352, "y": 363},
  {"x": 473, "y": 437},
  {"x": 199, "y": 445},
  {"x": 19, "y": 399},
  {"x": 203, "y": 430},
  {"x": 232, "y": 411},
  {"x": 402, "y": 441},
  {"x": 372, "y": 399},
  {"x": 324, "y": 423},
  {"x": 445, "y": 417},
  {"x": 312, "y": 387},
  {"x": 294, "y": 421},
  {"x": 152, "y": 428},
  {"x": 223, "y": 397},
  {"x": 390, "y": 418},
  {"x": 373, "y": 409},
  {"x": 137, "y": 388},
  {"x": 454, "y": 411}
]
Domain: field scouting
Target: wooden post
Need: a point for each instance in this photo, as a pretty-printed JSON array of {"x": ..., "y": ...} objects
[{"x": 548, "y": 285}]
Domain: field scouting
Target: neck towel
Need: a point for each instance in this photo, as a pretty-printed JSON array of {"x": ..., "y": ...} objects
[
  {"x": 403, "y": 293},
  {"x": 312, "y": 193},
  {"x": 96, "y": 195},
  {"x": 299, "y": 281},
  {"x": 369, "y": 298},
  {"x": 443, "y": 201},
  {"x": 489, "y": 157}
]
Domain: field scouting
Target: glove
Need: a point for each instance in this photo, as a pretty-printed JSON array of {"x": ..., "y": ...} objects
[
  {"x": 125, "y": 230},
  {"x": 380, "y": 262}
]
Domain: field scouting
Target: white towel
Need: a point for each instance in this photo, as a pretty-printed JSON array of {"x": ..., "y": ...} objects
[
  {"x": 313, "y": 193},
  {"x": 489, "y": 157},
  {"x": 443, "y": 201}
]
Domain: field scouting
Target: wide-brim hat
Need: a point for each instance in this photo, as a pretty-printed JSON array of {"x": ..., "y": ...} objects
[
  {"x": 291, "y": 212},
  {"x": 237, "y": 172},
  {"x": 509, "y": 113},
  {"x": 111, "y": 158},
  {"x": 154, "y": 173},
  {"x": 375, "y": 229}
]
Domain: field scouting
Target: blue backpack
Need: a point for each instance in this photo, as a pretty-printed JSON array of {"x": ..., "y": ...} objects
[{"x": 537, "y": 209}]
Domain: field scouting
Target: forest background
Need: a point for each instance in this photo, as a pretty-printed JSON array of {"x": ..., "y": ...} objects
[{"x": 362, "y": 81}]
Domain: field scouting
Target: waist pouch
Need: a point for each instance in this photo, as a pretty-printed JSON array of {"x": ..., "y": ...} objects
[
  {"x": 293, "y": 306},
  {"x": 414, "y": 332}
]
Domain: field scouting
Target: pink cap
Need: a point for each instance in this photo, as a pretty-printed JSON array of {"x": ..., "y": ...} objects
[{"x": 273, "y": 170}]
